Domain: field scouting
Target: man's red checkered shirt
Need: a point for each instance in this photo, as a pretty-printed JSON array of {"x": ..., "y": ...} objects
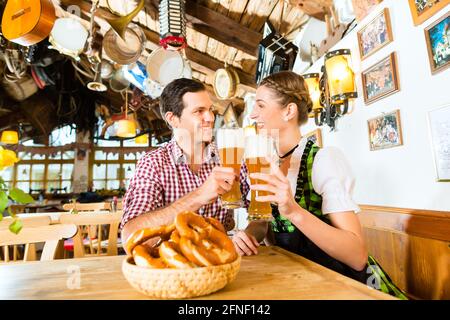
[{"x": 162, "y": 176}]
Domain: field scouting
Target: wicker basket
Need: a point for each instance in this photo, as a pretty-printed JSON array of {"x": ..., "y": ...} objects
[{"x": 179, "y": 283}]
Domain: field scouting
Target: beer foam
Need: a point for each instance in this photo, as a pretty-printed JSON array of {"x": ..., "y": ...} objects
[
  {"x": 230, "y": 138},
  {"x": 259, "y": 146}
]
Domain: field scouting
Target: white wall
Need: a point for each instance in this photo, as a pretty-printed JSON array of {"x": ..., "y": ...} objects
[{"x": 403, "y": 176}]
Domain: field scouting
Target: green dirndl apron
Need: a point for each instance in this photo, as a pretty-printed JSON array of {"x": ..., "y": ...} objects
[{"x": 292, "y": 239}]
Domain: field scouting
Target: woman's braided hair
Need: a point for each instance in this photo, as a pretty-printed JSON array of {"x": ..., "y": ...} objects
[{"x": 290, "y": 87}]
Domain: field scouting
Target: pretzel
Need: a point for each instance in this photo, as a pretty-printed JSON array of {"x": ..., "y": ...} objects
[
  {"x": 175, "y": 237},
  {"x": 149, "y": 259},
  {"x": 192, "y": 241},
  {"x": 192, "y": 226},
  {"x": 216, "y": 224},
  {"x": 170, "y": 254},
  {"x": 140, "y": 236},
  {"x": 213, "y": 249}
]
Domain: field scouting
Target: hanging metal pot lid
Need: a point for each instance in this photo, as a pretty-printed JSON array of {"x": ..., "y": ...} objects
[
  {"x": 164, "y": 66},
  {"x": 107, "y": 69},
  {"x": 118, "y": 82},
  {"x": 126, "y": 51},
  {"x": 225, "y": 83}
]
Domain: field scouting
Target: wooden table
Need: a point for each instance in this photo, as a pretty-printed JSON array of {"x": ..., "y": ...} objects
[{"x": 272, "y": 274}]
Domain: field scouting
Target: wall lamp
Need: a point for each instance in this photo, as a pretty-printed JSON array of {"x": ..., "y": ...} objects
[{"x": 331, "y": 93}]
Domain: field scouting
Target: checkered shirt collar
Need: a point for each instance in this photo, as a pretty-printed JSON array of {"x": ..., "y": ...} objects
[{"x": 211, "y": 153}]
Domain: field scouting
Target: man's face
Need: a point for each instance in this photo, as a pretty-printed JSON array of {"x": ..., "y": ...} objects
[{"x": 197, "y": 118}]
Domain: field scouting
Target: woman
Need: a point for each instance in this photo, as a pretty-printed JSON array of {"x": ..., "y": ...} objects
[{"x": 310, "y": 190}]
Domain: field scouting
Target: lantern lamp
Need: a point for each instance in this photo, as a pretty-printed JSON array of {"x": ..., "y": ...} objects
[
  {"x": 341, "y": 79},
  {"x": 10, "y": 137},
  {"x": 126, "y": 128},
  {"x": 142, "y": 139},
  {"x": 336, "y": 86},
  {"x": 312, "y": 84}
]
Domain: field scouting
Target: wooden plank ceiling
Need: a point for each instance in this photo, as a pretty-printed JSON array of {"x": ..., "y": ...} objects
[{"x": 218, "y": 32}]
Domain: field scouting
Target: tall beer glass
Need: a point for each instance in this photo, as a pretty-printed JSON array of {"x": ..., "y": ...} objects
[
  {"x": 257, "y": 148},
  {"x": 230, "y": 143}
]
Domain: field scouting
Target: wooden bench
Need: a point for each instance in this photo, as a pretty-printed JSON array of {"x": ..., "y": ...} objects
[{"x": 413, "y": 246}]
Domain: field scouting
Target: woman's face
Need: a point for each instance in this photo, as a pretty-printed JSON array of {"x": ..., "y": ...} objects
[{"x": 268, "y": 113}]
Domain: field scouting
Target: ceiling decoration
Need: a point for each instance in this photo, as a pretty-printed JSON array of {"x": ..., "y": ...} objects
[{"x": 217, "y": 33}]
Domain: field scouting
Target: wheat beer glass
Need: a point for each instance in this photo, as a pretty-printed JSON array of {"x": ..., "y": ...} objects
[
  {"x": 230, "y": 143},
  {"x": 258, "y": 148}
]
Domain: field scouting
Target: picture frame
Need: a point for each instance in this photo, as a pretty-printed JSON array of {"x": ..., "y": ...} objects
[
  {"x": 437, "y": 46},
  {"x": 375, "y": 35},
  {"x": 362, "y": 8},
  {"x": 422, "y": 10},
  {"x": 381, "y": 79},
  {"x": 316, "y": 137},
  {"x": 439, "y": 130},
  {"x": 385, "y": 131}
]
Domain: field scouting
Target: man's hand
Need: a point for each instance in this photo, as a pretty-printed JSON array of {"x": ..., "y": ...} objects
[
  {"x": 219, "y": 182},
  {"x": 245, "y": 243}
]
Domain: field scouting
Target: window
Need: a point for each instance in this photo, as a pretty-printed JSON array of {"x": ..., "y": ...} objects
[
  {"x": 51, "y": 172},
  {"x": 111, "y": 165},
  {"x": 112, "y": 171},
  {"x": 62, "y": 136}
]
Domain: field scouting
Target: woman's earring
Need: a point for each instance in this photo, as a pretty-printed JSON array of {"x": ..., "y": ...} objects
[{"x": 286, "y": 119}]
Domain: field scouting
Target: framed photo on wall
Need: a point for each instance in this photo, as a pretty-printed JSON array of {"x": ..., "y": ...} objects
[
  {"x": 362, "y": 8},
  {"x": 316, "y": 137},
  {"x": 439, "y": 125},
  {"x": 437, "y": 36},
  {"x": 385, "y": 131},
  {"x": 422, "y": 10},
  {"x": 381, "y": 79},
  {"x": 375, "y": 35}
]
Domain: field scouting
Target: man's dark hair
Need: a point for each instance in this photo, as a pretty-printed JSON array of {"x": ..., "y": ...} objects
[{"x": 171, "y": 99}]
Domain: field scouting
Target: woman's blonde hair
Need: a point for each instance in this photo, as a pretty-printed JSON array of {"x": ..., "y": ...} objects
[{"x": 290, "y": 87}]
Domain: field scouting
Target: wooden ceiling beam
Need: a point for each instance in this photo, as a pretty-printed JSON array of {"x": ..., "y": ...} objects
[
  {"x": 313, "y": 8},
  {"x": 218, "y": 26}
]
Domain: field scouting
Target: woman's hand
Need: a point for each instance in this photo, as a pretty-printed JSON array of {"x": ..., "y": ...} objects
[
  {"x": 279, "y": 185},
  {"x": 245, "y": 243}
]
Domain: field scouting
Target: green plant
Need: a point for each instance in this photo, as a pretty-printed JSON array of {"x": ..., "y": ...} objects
[{"x": 7, "y": 159}]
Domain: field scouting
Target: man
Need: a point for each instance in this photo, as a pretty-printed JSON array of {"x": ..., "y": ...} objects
[{"x": 185, "y": 173}]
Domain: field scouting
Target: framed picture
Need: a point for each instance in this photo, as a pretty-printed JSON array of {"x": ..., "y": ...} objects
[
  {"x": 439, "y": 125},
  {"x": 381, "y": 79},
  {"x": 362, "y": 8},
  {"x": 437, "y": 36},
  {"x": 316, "y": 137},
  {"x": 375, "y": 35},
  {"x": 385, "y": 131},
  {"x": 422, "y": 10}
]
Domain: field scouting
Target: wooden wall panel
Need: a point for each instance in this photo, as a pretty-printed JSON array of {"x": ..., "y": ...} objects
[{"x": 412, "y": 246}]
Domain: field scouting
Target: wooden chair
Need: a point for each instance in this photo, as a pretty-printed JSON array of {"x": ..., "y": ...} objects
[
  {"x": 27, "y": 222},
  {"x": 87, "y": 206},
  {"x": 50, "y": 234},
  {"x": 30, "y": 249},
  {"x": 95, "y": 241}
]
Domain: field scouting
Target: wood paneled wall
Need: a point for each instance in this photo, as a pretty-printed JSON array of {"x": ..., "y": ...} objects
[{"x": 412, "y": 246}]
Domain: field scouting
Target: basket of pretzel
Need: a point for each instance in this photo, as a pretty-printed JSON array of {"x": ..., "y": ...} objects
[{"x": 193, "y": 257}]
